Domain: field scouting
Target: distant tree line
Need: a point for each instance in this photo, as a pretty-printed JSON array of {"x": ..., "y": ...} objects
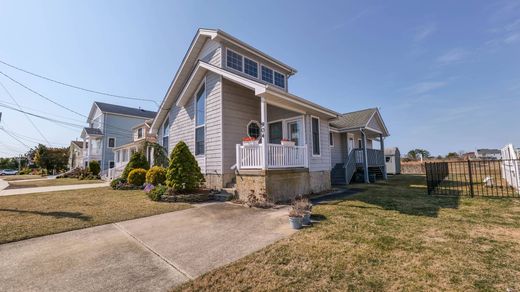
[{"x": 40, "y": 157}]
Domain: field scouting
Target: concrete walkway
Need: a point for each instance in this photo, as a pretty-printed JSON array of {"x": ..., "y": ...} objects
[
  {"x": 3, "y": 184},
  {"x": 24, "y": 191},
  {"x": 149, "y": 254}
]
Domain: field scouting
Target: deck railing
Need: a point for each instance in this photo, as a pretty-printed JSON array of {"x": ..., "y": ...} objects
[
  {"x": 375, "y": 157},
  {"x": 278, "y": 156}
]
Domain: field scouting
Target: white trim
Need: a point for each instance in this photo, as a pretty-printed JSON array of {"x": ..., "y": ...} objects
[
  {"x": 319, "y": 137},
  {"x": 257, "y": 66},
  {"x": 108, "y": 142},
  {"x": 241, "y": 57},
  {"x": 203, "y": 83},
  {"x": 259, "y": 128}
]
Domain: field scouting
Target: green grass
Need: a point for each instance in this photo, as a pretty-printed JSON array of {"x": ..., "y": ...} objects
[
  {"x": 388, "y": 236},
  {"x": 26, "y": 216},
  {"x": 49, "y": 182},
  {"x": 19, "y": 177}
]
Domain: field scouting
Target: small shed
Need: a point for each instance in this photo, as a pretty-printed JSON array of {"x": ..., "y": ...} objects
[{"x": 393, "y": 160}]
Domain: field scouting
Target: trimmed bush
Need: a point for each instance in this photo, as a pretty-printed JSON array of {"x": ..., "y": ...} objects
[
  {"x": 137, "y": 177},
  {"x": 183, "y": 174},
  {"x": 94, "y": 167},
  {"x": 156, "y": 193},
  {"x": 156, "y": 175},
  {"x": 137, "y": 160},
  {"x": 116, "y": 183}
]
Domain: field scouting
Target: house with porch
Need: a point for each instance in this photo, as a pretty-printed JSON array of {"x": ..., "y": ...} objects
[
  {"x": 76, "y": 154},
  {"x": 230, "y": 103},
  {"x": 110, "y": 126}
]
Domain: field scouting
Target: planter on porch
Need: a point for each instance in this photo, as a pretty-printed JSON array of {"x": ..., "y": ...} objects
[
  {"x": 249, "y": 141},
  {"x": 288, "y": 143}
]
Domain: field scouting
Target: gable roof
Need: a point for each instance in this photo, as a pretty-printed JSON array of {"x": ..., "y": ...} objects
[
  {"x": 93, "y": 131},
  {"x": 488, "y": 151},
  {"x": 119, "y": 110},
  {"x": 79, "y": 144},
  {"x": 359, "y": 120},
  {"x": 391, "y": 151}
]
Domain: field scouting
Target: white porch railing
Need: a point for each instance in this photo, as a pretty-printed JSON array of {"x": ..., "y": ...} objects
[
  {"x": 511, "y": 166},
  {"x": 278, "y": 156}
]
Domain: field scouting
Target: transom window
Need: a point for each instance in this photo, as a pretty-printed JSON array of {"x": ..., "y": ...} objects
[
  {"x": 315, "y": 136},
  {"x": 250, "y": 67},
  {"x": 279, "y": 80},
  {"x": 200, "y": 118},
  {"x": 253, "y": 129},
  {"x": 267, "y": 74},
  {"x": 234, "y": 60}
]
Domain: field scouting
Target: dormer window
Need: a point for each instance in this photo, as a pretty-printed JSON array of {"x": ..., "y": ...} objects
[
  {"x": 140, "y": 133},
  {"x": 279, "y": 79},
  {"x": 234, "y": 60},
  {"x": 251, "y": 67},
  {"x": 267, "y": 74}
]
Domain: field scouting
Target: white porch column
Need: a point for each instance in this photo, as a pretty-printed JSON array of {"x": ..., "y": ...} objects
[
  {"x": 152, "y": 155},
  {"x": 384, "y": 158},
  {"x": 89, "y": 141},
  {"x": 265, "y": 131},
  {"x": 365, "y": 156}
]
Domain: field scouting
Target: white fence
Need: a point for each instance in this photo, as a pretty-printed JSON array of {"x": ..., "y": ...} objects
[
  {"x": 278, "y": 156},
  {"x": 511, "y": 166}
]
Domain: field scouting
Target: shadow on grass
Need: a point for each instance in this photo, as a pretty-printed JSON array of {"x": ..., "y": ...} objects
[
  {"x": 399, "y": 193},
  {"x": 57, "y": 215}
]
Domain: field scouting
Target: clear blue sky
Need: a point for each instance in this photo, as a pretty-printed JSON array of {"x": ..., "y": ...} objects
[{"x": 445, "y": 74}]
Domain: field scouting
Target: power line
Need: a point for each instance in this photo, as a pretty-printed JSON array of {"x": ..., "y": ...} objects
[
  {"x": 78, "y": 87},
  {"x": 28, "y": 118},
  {"x": 2, "y": 128}
]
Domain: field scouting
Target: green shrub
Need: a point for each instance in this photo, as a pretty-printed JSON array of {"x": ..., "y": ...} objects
[
  {"x": 137, "y": 177},
  {"x": 156, "y": 193},
  {"x": 156, "y": 175},
  {"x": 183, "y": 173},
  {"x": 137, "y": 160},
  {"x": 94, "y": 167},
  {"x": 115, "y": 183}
]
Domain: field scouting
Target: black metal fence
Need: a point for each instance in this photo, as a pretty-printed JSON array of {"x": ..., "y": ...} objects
[{"x": 493, "y": 178}]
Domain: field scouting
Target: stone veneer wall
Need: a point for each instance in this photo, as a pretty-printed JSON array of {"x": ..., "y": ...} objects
[{"x": 281, "y": 185}]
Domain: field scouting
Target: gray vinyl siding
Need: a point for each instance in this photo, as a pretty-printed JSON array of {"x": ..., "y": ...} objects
[
  {"x": 119, "y": 127},
  {"x": 276, "y": 113},
  {"x": 375, "y": 124},
  {"x": 339, "y": 150},
  {"x": 182, "y": 126},
  {"x": 212, "y": 53},
  {"x": 213, "y": 124},
  {"x": 322, "y": 162},
  {"x": 239, "y": 106}
]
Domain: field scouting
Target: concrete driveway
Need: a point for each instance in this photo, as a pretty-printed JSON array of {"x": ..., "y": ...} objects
[{"x": 148, "y": 254}]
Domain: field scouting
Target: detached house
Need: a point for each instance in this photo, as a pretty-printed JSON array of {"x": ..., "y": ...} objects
[
  {"x": 110, "y": 126},
  {"x": 226, "y": 90}
]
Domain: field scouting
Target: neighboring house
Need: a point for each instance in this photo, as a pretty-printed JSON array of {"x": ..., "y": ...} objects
[
  {"x": 488, "y": 154},
  {"x": 226, "y": 90},
  {"x": 110, "y": 126},
  {"x": 76, "y": 154},
  {"x": 393, "y": 160},
  {"x": 469, "y": 155},
  {"x": 141, "y": 135}
]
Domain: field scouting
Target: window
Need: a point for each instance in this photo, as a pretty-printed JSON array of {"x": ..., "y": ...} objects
[
  {"x": 166, "y": 133},
  {"x": 279, "y": 79},
  {"x": 200, "y": 118},
  {"x": 118, "y": 156},
  {"x": 267, "y": 74},
  {"x": 125, "y": 155},
  {"x": 360, "y": 144},
  {"x": 387, "y": 159},
  {"x": 331, "y": 139},
  {"x": 250, "y": 67},
  {"x": 253, "y": 129},
  {"x": 315, "y": 136},
  {"x": 139, "y": 133},
  {"x": 234, "y": 60},
  {"x": 275, "y": 133},
  {"x": 111, "y": 164},
  {"x": 111, "y": 142}
]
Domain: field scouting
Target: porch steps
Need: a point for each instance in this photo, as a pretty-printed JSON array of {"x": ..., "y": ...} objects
[{"x": 337, "y": 175}]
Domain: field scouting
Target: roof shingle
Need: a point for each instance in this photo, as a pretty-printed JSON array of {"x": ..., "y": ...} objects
[
  {"x": 357, "y": 119},
  {"x": 123, "y": 110}
]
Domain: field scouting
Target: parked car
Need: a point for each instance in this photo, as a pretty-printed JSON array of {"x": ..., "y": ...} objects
[{"x": 8, "y": 172}]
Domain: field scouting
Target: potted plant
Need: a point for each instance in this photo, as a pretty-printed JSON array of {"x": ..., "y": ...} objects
[
  {"x": 287, "y": 142},
  {"x": 249, "y": 141},
  {"x": 295, "y": 218}
]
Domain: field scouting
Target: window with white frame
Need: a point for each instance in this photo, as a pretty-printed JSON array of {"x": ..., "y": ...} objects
[
  {"x": 166, "y": 134},
  {"x": 234, "y": 60},
  {"x": 279, "y": 79},
  {"x": 111, "y": 164},
  {"x": 139, "y": 133},
  {"x": 200, "y": 119},
  {"x": 253, "y": 129},
  {"x": 315, "y": 123},
  {"x": 251, "y": 67},
  {"x": 331, "y": 139},
  {"x": 267, "y": 74},
  {"x": 111, "y": 142},
  {"x": 118, "y": 156}
]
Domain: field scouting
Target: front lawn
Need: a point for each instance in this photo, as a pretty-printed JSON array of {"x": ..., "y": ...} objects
[
  {"x": 388, "y": 236},
  {"x": 49, "y": 182},
  {"x": 26, "y": 216},
  {"x": 19, "y": 177}
]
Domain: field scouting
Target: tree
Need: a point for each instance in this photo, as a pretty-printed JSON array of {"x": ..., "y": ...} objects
[
  {"x": 137, "y": 160},
  {"x": 452, "y": 155},
  {"x": 94, "y": 167},
  {"x": 183, "y": 173},
  {"x": 417, "y": 153}
]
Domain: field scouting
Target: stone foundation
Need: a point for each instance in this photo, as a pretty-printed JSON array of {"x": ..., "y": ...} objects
[
  {"x": 281, "y": 185},
  {"x": 218, "y": 181}
]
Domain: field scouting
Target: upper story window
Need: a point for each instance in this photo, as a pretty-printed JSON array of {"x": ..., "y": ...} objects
[
  {"x": 200, "y": 118},
  {"x": 111, "y": 142},
  {"x": 279, "y": 79},
  {"x": 315, "y": 136},
  {"x": 139, "y": 133},
  {"x": 267, "y": 74},
  {"x": 234, "y": 60},
  {"x": 166, "y": 133},
  {"x": 251, "y": 67}
]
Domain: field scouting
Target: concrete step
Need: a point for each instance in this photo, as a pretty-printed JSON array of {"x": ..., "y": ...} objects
[{"x": 226, "y": 194}]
